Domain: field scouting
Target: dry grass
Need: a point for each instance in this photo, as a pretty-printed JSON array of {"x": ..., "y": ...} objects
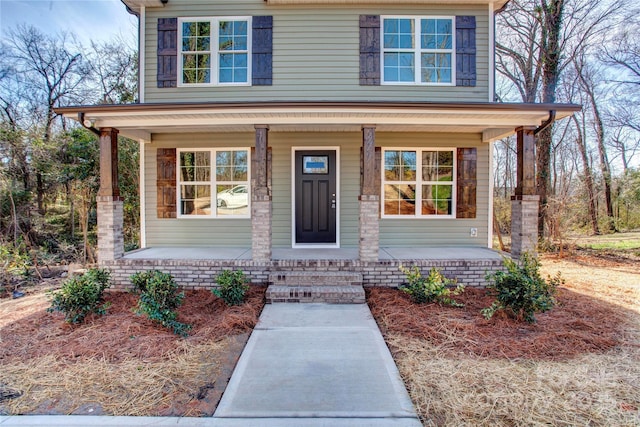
[
  {"x": 593, "y": 390},
  {"x": 129, "y": 387},
  {"x": 120, "y": 363},
  {"x": 579, "y": 365}
]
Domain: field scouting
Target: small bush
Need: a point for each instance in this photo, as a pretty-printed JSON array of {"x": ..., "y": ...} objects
[
  {"x": 159, "y": 298},
  {"x": 433, "y": 288},
  {"x": 521, "y": 291},
  {"x": 14, "y": 263},
  {"x": 233, "y": 287},
  {"x": 81, "y": 295}
]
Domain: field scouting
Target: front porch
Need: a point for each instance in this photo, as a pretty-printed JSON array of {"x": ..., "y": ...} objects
[{"x": 197, "y": 267}]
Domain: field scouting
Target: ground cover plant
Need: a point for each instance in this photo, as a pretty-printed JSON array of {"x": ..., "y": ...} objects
[
  {"x": 520, "y": 290},
  {"x": 159, "y": 299},
  {"x": 433, "y": 288},
  {"x": 120, "y": 363},
  {"x": 232, "y": 286},
  {"x": 81, "y": 295},
  {"x": 579, "y": 364}
]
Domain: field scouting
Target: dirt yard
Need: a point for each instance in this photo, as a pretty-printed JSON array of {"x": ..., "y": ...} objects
[{"x": 578, "y": 365}]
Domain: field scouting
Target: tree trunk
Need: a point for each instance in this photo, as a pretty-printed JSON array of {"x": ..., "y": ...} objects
[
  {"x": 588, "y": 178},
  {"x": 551, "y": 18}
]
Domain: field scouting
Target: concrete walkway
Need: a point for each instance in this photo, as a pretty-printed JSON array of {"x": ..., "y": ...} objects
[
  {"x": 316, "y": 364},
  {"x": 304, "y": 365}
]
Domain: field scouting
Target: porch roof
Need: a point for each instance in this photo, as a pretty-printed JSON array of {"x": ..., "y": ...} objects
[{"x": 492, "y": 120}]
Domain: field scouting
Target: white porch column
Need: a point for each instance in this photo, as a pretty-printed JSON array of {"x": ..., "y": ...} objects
[
  {"x": 369, "y": 246},
  {"x": 261, "y": 209},
  {"x": 110, "y": 205}
]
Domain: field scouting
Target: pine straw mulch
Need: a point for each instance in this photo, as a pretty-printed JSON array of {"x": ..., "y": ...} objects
[
  {"x": 578, "y": 325},
  {"x": 122, "y": 363},
  {"x": 578, "y": 365}
]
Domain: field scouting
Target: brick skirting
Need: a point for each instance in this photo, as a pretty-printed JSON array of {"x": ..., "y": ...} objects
[{"x": 196, "y": 274}]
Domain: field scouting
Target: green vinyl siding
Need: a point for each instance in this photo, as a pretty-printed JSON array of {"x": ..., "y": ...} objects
[
  {"x": 192, "y": 232},
  {"x": 427, "y": 232},
  {"x": 222, "y": 232},
  {"x": 315, "y": 54}
]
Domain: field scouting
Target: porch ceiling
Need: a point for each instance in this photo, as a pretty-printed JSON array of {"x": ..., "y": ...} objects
[{"x": 492, "y": 120}]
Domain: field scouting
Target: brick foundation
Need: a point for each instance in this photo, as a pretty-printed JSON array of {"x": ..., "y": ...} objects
[
  {"x": 193, "y": 274},
  {"x": 369, "y": 228},
  {"x": 524, "y": 224},
  {"x": 261, "y": 229},
  {"x": 110, "y": 234}
]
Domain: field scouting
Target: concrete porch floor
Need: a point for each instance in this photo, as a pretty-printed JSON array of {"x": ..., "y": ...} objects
[{"x": 386, "y": 254}]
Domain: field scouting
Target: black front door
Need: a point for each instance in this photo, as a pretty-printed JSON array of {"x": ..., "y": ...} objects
[{"x": 315, "y": 191}]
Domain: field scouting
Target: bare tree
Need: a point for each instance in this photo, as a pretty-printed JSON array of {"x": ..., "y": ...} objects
[
  {"x": 538, "y": 39},
  {"x": 54, "y": 72},
  {"x": 115, "y": 70},
  {"x": 587, "y": 77}
]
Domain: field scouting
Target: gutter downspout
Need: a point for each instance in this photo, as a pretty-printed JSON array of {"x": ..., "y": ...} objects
[
  {"x": 547, "y": 123},
  {"x": 89, "y": 126}
]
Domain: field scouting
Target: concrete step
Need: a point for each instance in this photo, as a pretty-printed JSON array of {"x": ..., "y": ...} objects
[
  {"x": 344, "y": 294},
  {"x": 315, "y": 278}
]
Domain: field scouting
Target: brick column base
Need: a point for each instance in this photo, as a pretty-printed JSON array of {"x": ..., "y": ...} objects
[
  {"x": 110, "y": 224},
  {"x": 261, "y": 228},
  {"x": 524, "y": 224},
  {"x": 369, "y": 228}
]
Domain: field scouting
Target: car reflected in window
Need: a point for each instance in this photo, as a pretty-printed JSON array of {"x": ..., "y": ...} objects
[{"x": 234, "y": 197}]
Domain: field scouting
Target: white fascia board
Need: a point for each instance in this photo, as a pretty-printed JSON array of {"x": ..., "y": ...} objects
[{"x": 488, "y": 119}]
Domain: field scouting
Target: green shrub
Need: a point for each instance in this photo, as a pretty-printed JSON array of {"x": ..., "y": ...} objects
[
  {"x": 14, "y": 263},
  {"x": 433, "y": 288},
  {"x": 233, "y": 287},
  {"x": 159, "y": 298},
  {"x": 81, "y": 295},
  {"x": 520, "y": 290}
]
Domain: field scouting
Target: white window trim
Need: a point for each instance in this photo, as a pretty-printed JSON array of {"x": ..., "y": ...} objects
[
  {"x": 419, "y": 183},
  {"x": 213, "y": 52},
  {"x": 417, "y": 50},
  {"x": 213, "y": 183}
]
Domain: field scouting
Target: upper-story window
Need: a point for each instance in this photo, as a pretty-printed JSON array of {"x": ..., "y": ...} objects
[
  {"x": 418, "y": 50},
  {"x": 214, "y": 51}
]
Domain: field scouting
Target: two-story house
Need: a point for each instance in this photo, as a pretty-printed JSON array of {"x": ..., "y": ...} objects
[{"x": 308, "y": 135}]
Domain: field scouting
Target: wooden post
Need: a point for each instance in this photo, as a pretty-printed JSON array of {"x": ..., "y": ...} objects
[
  {"x": 260, "y": 172},
  {"x": 524, "y": 203},
  {"x": 368, "y": 161},
  {"x": 369, "y": 227},
  {"x": 261, "y": 209},
  {"x": 109, "y": 163},
  {"x": 526, "y": 168}
]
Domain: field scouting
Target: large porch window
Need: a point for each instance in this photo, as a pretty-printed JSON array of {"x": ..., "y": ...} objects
[
  {"x": 418, "y": 183},
  {"x": 213, "y": 183}
]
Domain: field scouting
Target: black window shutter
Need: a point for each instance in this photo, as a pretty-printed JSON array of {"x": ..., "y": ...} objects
[
  {"x": 466, "y": 182},
  {"x": 465, "y": 50},
  {"x": 167, "y": 52},
  {"x": 369, "y": 50},
  {"x": 262, "y": 51}
]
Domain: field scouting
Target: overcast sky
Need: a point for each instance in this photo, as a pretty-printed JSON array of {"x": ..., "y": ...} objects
[{"x": 98, "y": 20}]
